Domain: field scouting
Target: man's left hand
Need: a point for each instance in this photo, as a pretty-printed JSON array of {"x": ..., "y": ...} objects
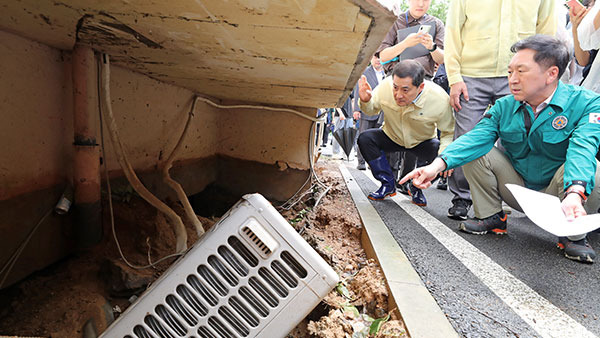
[
  {"x": 572, "y": 207},
  {"x": 427, "y": 41}
]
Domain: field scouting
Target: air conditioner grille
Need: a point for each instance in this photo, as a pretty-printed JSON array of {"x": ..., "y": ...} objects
[
  {"x": 230, "y": 258},
  {"x": 202, "y": 290},
  {"x": 273, "y": 282},
  {"x": 220, "y": 328},
  {"x": 243, "y": 311},
  {"x": 157, "y": 327},
  {"x": 171, "y": 320},
  {"x": 241, "y": 249},
  {"x": 141, "y": 332},
  {"x": 254, "y": 302},
  {"x": 284, "y": 274},
  {"x": 205, "y": 333},
  {"x": 191, "y": 300},
  {"x": 256, "y": 240},
  {"x": 222, "y": 270},
  {"x": 262, "y": 290},
  {"x": 181, "y": 310},
  {"x": 251, "y": 276},
  {"x": 298, "y": 269},
  {"x": 234, "y": 321},
  {"x": 212, "y": 280}
]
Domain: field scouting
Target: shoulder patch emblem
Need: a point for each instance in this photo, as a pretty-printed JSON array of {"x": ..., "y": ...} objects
[
  {"x": 594, "y": 118},
  {"x": 559, "y": 122}
]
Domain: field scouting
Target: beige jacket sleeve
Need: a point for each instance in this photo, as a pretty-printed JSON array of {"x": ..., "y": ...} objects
[
  {"x": 446, "y": 127},
  {"x": 547, "y": 20},
  {"x": 453, "y": 43}
]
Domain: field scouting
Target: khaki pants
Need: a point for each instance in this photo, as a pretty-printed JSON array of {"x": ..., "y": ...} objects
[{"x": 488, "y": 175}]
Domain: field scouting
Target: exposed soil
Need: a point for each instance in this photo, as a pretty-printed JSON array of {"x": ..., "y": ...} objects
[{"x": 95, "y": 286}]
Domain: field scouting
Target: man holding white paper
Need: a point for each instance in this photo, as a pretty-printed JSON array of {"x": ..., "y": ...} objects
[{"x": 550, "y": 132}]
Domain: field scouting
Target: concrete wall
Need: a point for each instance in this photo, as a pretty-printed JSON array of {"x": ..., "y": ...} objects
[{"x": 263, "y": 151}]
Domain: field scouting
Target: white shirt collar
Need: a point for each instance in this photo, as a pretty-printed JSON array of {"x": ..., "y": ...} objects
[{"x": 544, "y": 104}]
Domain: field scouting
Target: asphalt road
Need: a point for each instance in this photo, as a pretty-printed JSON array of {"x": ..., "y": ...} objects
[{"x": 480, "y": 303}]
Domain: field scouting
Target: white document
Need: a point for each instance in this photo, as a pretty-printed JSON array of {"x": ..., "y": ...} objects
[{"x": 545, "y": 211}]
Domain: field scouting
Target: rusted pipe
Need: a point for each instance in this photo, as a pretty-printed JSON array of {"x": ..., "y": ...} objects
[{"x": 86, "y": 159}]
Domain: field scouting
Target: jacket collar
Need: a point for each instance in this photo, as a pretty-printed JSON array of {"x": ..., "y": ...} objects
[{"x": 559, "y": 98}]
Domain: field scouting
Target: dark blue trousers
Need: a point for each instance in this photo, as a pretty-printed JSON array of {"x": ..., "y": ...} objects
[{"x": 373, "y": 141}]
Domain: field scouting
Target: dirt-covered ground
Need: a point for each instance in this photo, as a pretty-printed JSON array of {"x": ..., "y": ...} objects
[{"x": 94, "y": 286}]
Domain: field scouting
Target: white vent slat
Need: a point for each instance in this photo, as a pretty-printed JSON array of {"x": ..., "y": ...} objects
[
  {"x": 280, "y": 270},
  {"x": 164, "y": 326},
  {"x": 206, "y": 292},
  {"x": 213, "y": 280},
  {"x": 184, "y": 311},
  {"x": 273, "y": 281},
  {"x": 261, "y": 307},
  {"x": 206, "y": 332},
  {"x": 241, "y": 267},
  {"x": 197, "y": 298},
  {"x": 240, "y": 306},
  {"x": 229, "y": 318},
  {"x": 148, "y": 332}
]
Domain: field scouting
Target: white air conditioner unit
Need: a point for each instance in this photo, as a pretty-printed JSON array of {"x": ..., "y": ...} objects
[{"x": 251, "y": 275}]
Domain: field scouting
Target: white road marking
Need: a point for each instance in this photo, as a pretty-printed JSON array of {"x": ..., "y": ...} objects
[{"x": 544, "y": 317}]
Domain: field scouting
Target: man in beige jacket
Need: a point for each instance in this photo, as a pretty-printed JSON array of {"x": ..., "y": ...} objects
[{"x": 414, "y": 110}]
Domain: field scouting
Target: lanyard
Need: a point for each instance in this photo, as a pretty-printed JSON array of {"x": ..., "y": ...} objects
[{"x": 526, "y": 118}]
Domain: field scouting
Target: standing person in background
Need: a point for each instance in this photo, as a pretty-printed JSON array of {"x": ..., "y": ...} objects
[
  {"x": 403, "y": 42},
  {"x": 582, "y": 60},
  {"x": 588, "y": 34},
  {"x": 477, "y": 53},
  {"x": 374, "y": 75}
]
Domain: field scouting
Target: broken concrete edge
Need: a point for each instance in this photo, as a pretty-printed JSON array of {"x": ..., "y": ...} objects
[{"x": 418, "y": 309}]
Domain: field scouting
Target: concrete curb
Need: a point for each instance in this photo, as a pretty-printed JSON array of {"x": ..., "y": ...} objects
[{"x": 419, "y": 310}]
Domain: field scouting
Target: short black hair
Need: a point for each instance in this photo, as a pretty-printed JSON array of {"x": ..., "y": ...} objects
[
  {"x": 410, "y": 68},
  {"x": 549, "y": 51}
]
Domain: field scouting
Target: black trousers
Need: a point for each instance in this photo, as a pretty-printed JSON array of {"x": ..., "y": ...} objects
[{"x": 373, "y": 141}]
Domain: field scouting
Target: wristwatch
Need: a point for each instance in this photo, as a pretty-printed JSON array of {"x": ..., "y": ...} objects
[{"x": 433, "y": 48}]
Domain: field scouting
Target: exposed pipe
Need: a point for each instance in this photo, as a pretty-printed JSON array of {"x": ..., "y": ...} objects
[
  {"x": 137, "y": 185},
  {"x": 86, "y": 160},
  {"x": 189, "y": 211}
]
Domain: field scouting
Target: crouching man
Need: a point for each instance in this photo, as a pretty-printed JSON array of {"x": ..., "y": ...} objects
[
  {"x": 551, "y": 132},
  {"x": 413, "y": 112}
]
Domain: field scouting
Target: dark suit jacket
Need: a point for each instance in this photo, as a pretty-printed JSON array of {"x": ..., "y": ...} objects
[{"x": 373, "y": 82}]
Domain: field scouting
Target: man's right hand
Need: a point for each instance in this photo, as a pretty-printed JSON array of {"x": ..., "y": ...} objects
[
  {"x": 364, "y": 89},
  {"x": 422, "y": 176},
  {"x": 457, "y": 89},
  {"x": 413, "y": 39}
]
